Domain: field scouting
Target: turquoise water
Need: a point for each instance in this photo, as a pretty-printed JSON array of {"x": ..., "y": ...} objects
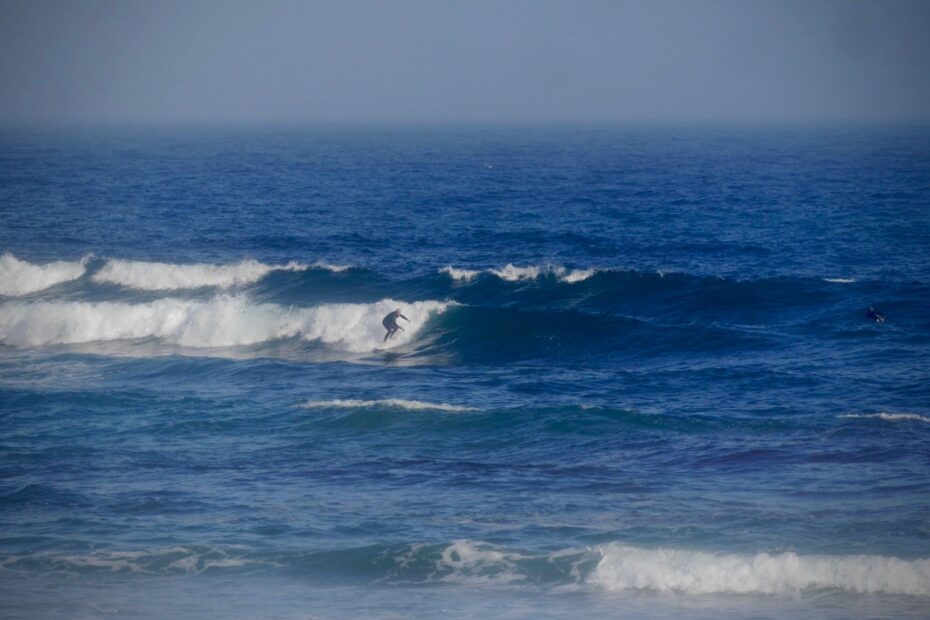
[{"x": 637, "y": 378}]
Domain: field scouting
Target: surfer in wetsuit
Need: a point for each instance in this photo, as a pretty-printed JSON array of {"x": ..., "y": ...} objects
[
  {"x": 875, "y": 315},
  {"x": 390, "y": 323}
]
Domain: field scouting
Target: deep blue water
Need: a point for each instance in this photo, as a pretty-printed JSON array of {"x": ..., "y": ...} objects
[{"x": 637, "y": 378}]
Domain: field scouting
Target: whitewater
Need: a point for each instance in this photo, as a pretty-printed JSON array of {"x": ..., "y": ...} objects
[{"x": 223, "y": 321}]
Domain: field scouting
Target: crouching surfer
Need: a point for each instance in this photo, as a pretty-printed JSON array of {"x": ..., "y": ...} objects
[{"x": 390, "y": 323}]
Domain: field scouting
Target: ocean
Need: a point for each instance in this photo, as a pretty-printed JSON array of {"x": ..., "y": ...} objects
[{"x": 636, "y": 378}]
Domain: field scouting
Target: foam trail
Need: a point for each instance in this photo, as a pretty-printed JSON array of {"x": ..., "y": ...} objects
[
  {"x": 18, "y": 277},
  {"x": 840, "y": 280},
  {"x": 889, "y": 417},
  {"x": 153, "y": 276},
  {"x": 397, "y": 403},
  {"x": 223, "y": 321},
  {"x": 697, "y": 572},
  {"x": 167, "y": 561}
]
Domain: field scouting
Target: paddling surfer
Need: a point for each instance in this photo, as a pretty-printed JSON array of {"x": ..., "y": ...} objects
[{"x": 875, "y": 315}]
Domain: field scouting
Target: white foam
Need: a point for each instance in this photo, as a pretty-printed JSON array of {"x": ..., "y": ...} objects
[
  {"x": 577, "y": 275},
  {"x": 697, "y": 572},
  {"x": 465, "y": 562},
  {"x": 462, "y": 275},
  {"x": 512, "y": 273},
  {"x": 328, "y": 266},
  {"x": 18, "y": 277},
  {"x": 890, "y": 417},
  {"x": 840, "y": 280},
  {"x": 152, "y": 276},
  {"x": 397, "y": 403},
  {"x": 223, "y": 321}
]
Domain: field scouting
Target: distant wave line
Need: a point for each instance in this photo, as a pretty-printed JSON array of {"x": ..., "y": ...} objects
[
  {"x": 513, "y": 273},
  {"x": 396, "y": 403},
  {"x": 889, "y": 417}
]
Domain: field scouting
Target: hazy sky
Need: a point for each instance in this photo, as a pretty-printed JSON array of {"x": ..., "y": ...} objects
[{"x": 444, "y": 60}]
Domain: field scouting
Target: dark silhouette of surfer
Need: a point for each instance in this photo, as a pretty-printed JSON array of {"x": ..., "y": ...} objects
[
  {"x": 875, "y": 315},
  {"x": 390, "y": 323}
]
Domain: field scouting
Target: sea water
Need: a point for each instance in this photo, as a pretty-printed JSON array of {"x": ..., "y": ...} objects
[{"x": 636, "y": 377}]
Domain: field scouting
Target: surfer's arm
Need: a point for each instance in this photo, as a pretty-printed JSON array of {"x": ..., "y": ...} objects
[{"x": 403, "y": 317}]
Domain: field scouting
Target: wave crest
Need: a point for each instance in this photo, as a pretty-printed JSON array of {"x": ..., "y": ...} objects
[
  {"x": 19, "y": 277},
  {"x": 512, "y": 273},
  {"x": 153, "y": 276}
]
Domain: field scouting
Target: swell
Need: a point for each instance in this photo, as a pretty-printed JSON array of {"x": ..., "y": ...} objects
[
  {"x": 487, "y": 334},
  {"x": 671, "y": 296},
  {"x": 496, "y": 314},
  {"x": 667, "y": 296},
  {"x": 611, "y": 567}
]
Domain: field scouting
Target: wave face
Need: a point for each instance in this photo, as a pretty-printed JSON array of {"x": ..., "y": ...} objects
[
  {"x": 224, "y": 321},
  {"x": 696, "y": 572},
  {"x": 18, "y": 277}
]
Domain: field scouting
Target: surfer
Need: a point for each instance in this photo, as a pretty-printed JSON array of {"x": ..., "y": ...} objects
[
  {"x": 390, "y": 323},
  {"x": 875, "y": 315}
]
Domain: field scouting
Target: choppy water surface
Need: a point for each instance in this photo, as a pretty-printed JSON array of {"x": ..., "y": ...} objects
[{"x": 637, "y": 378}]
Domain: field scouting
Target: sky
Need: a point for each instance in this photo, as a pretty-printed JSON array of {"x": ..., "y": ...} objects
[{"x": 463, "y": 61}]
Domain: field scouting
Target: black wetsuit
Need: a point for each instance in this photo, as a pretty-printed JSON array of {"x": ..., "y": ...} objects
[
  {"x": 875, "y": 315},
  {"x": 390, "y": 323}
]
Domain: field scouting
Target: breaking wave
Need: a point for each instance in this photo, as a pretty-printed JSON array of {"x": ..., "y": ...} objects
[
  {"x": 699, "y": 572},
  {"x": 18, "y": 277},
  {"x": 395, "y": 403},
  {"x": 512, "y": 273},
  {"x": 154, "y": 276},
  {"x": 223, "y": 321}
]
